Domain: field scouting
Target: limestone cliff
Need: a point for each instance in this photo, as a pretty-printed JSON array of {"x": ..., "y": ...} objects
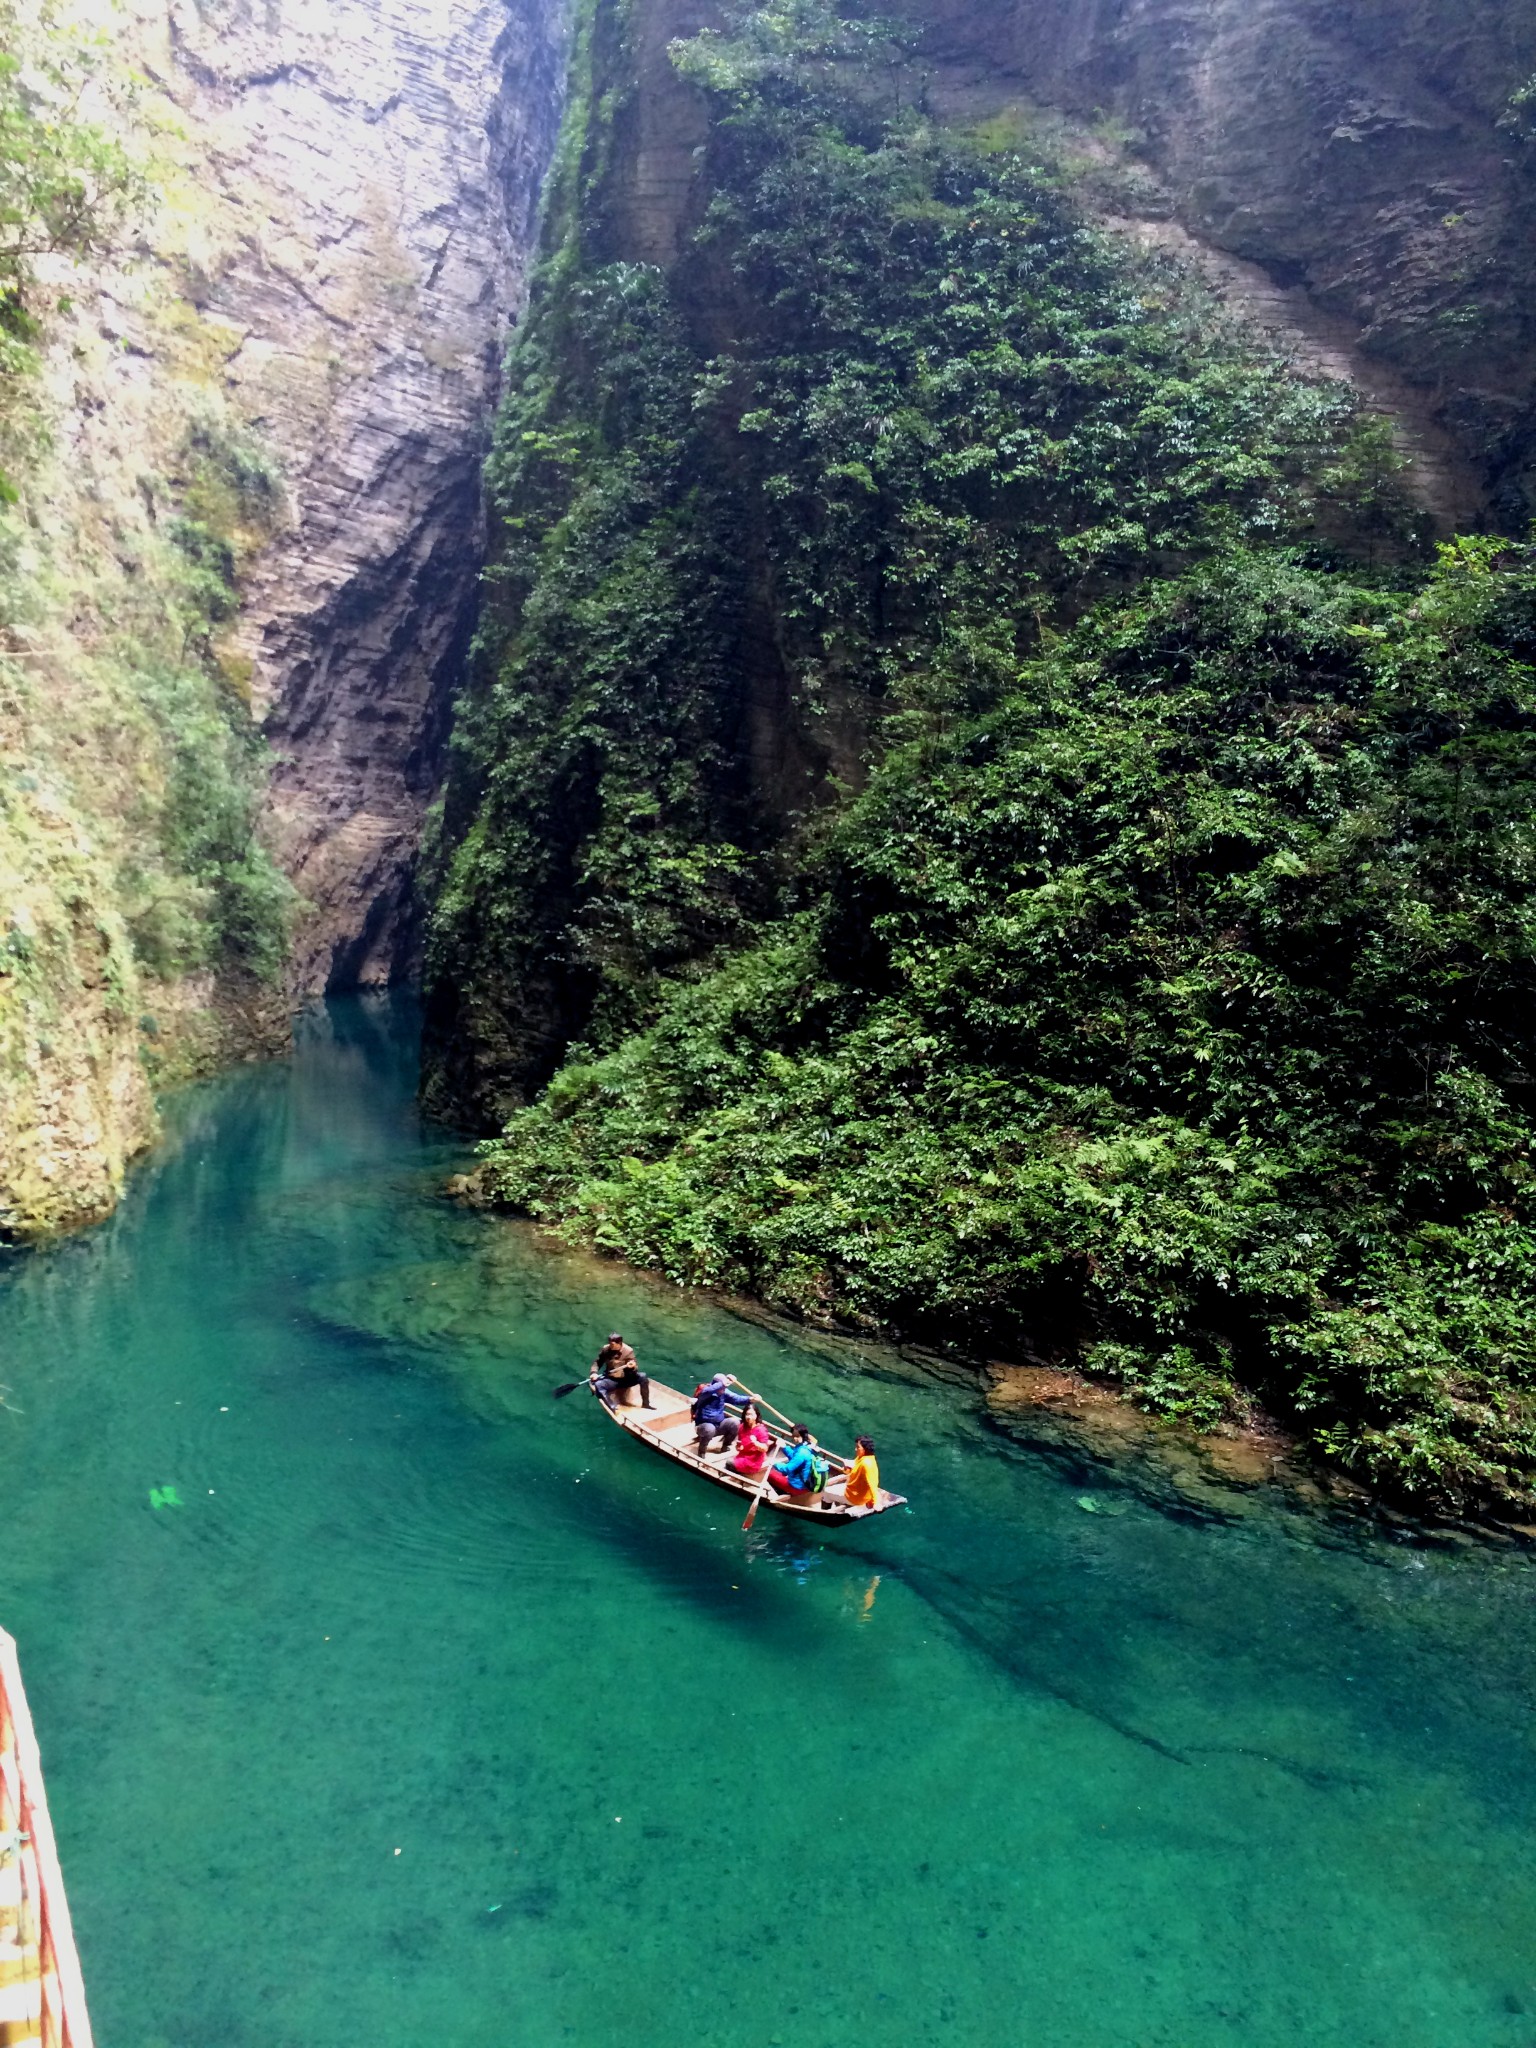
[
  {"x": 1371, "y": 160},
  {"x": 1360, "y": 181},
  {"x": 249, "y": 510},
  {"x": 371, "y": 174}
]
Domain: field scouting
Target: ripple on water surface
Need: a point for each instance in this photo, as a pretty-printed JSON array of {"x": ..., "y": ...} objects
[{"x": 386, "y": 1699}]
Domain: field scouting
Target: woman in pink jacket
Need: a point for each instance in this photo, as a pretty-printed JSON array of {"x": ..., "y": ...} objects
[{"x": 753, "y": 1446}]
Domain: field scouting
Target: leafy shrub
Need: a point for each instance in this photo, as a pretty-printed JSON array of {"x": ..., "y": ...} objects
[
  {"x": 1181, "y": 1008},
  {"x": 1164, "y": 994}
]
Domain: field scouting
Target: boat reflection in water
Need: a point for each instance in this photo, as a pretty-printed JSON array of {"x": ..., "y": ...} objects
[{"x": 42, "y": 1997}]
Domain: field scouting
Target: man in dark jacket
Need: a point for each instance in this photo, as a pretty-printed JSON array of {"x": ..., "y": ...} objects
[
  {"x": 711, "y": 1414},
  {"x": 616, "y": 1369}
]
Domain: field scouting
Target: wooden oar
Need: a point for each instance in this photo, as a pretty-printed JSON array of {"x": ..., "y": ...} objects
[
  {"x": 762, "y": 1488},
  {"x": 570, "y": 1388},
  {"x": 759, "y": 1403}
]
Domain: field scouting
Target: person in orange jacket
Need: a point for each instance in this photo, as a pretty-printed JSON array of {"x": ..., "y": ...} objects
[{"x": 861, "y": 1488}]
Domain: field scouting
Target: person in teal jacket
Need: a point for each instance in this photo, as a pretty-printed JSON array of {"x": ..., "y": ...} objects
[{"x": 799, "y": 1471}]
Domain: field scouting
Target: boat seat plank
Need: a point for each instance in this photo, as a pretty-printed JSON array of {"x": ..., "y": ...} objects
[{"x": 23, "y": 2001}]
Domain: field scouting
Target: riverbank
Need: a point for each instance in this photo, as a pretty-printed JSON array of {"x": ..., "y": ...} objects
[
  {"x": 84, "y": 1076},
  {"x": 1216, "y": 1472},
  {"x": 1090, "y": 1422}
]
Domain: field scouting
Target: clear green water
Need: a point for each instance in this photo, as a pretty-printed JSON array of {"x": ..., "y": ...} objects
[{"x": 1068, "y": 1779}]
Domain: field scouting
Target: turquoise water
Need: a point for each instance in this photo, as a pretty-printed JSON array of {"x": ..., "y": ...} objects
[{"x": 435, "y": 1711}]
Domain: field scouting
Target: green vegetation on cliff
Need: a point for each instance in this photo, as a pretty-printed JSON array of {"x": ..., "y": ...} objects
[
  {"x": 132, "y": 874},
  {"x": 947, "y": 412},
  {"x": 66, "y": 188},
  {"x": 1178, "y": 1008},
  {"x": 1164, "y": 995}
]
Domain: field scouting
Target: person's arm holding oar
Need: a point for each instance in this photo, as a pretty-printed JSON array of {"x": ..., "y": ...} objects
[
  {"x": 594, "y": 1373},
  {"x": 615, "y": 1366}
]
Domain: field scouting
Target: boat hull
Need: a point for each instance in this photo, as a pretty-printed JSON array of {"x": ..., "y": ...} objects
[{"x": 667, "y": 1428}]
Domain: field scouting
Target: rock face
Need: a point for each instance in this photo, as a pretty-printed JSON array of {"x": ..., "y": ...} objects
[
  {"x": 373, "y": 172},
  {"x": 1359, "y": 180},
  {"x": 1370, "y": 159},
  {"x": 1354, "y": 181},
  {"x": 277, "y": 397}
]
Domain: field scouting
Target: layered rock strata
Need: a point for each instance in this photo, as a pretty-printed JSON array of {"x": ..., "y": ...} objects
[
  {"x": 372, "y": 173},
  {"x": 289, "y": 373}
]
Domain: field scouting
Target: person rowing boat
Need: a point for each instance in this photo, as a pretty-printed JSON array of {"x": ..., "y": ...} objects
[
  {"x": 615, "y": 1370},
  {"x": 712, "y": 1417}
]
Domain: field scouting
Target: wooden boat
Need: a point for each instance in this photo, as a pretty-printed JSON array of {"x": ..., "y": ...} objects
[
  {"x": 42, "y": 2000},
  {"x": 667, "y": 1426}
]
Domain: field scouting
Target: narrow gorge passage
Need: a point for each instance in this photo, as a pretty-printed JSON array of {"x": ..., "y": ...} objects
[
  {"x": 891, "y": 646},
  {"x": 379, "y": 173},
  {"x": 386, "y": 1699}
]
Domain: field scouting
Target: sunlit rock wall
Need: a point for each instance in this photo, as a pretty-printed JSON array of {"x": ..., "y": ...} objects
[
  {"x": 370, "y": 171},
  {"x": 343, "y": 199}
]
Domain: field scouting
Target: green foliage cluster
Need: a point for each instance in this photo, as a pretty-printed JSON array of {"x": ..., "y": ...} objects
[
  {"x": 148, "y": 741},
  {"x": 948, "y": 410},
  {"x": 600, "y": 853},
  {"x": 67, "y": 186},
  {"x": 956, "y": 388},
  {"x": 1179, "y": 1007},
  {"x": 1519, "y": 116},
  {"x": 213, "y": 896},
  {"x": 1164, "y": 996}
]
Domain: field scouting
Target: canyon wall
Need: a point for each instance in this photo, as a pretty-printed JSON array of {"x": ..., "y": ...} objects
[
  {"x": 1374, "y": 161},
  {"x": 372, "y": 173},
  {"x": 308, "y": 331},
  {"x": 1359, "y": 182},
  {"x": 1357, "y": 187},
  {"x": 249, "y": 511}
]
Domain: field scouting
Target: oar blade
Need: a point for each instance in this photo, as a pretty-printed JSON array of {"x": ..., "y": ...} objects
[{"x": 762, "y": 1489}]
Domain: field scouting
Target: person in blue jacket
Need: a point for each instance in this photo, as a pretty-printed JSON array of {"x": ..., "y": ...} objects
[
  {"x": 799, "y": 1471},
  {"x": 712, "y": 1417}
]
